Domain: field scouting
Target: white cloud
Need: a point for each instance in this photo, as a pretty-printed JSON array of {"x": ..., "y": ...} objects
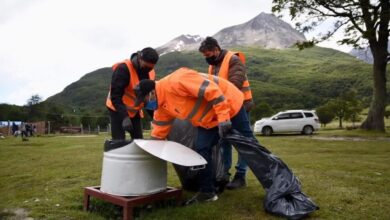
[{"x": 46, "y": 45}]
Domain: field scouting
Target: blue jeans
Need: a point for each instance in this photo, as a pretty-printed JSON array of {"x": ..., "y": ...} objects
[
  {"x": 241, "y": 165},
  {"x": 207, "y": 138}
]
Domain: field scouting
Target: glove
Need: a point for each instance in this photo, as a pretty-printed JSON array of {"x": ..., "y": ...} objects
[
  {"x": 127, "y": 125},
  {"x": 248, "y": 105},
  {"x": 224, "y": 128}
]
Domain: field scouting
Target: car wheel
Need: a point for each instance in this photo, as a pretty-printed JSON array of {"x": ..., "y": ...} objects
[
  {"x": 307, "y": 130},
  {"x": 267, "y": 131}
]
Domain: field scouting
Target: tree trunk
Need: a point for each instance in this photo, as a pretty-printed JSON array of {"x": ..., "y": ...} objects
[
  {"x": 375, "y": 117},
  {"x": 340, "y": 122}
]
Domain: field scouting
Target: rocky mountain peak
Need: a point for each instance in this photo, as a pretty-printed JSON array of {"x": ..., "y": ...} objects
[
  {"x": 181, "y": 43},
  {"x": 264, "y": 30}
]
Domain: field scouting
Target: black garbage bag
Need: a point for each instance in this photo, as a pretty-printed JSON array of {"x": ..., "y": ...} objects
[
  {"x": 184, "y": 132},
  {"x": 283, "y": 189}
]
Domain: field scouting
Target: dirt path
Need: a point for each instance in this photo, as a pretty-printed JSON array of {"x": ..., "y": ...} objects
[{"x": 349, "y": 138}]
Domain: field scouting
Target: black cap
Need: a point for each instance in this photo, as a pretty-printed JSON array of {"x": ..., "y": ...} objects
[
  {"x": 209, "y": 44},
  {"x": 143, "y": 88},
  {"x": 149, "y": 55}
]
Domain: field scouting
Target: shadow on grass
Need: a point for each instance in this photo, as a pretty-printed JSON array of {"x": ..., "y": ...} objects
[
  {"x": 27, "y": 144},
  {"x": 110, "y": 211}
]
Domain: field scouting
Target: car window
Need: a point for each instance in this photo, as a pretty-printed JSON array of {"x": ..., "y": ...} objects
[
  {"x": 296, "y": 115},
  {"x": 308, "y": 114},
  {"x": 283, "y": 116}
]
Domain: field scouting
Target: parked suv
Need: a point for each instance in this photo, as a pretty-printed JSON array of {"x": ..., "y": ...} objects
[{"x": 304, "y": 121}]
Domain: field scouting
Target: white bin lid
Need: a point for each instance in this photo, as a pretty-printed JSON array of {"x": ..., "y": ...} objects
[{"x": 172, "y": 152}]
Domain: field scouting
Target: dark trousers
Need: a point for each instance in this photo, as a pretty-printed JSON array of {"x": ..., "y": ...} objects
[
  {"x": 117, "y": 131},
  {"x": 241, "y": 165},
  {"x": 207, "y": 138}
]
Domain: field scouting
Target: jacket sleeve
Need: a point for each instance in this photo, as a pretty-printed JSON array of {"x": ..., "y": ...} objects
[
  {"x": 119, "y": 81},
  {"x": 161, "y": 124},
  {"x": 237, "y": 72},
  {"x": 199, "y": 87}
]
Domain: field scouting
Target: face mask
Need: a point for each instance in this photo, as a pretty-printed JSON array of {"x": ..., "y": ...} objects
[
  {"x": 211, "y": 60},
  {"x": 144, "y": 70}
]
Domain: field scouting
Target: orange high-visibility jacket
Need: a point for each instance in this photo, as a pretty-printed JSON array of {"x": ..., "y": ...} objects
[
  {"x": 224, "y": 71},
  {"x": 129, "y": 95},
  {"x": 203, "y": 99}
]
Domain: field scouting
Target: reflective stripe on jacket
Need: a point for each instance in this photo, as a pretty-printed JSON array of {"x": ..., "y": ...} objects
[
  {"x": 189, "y": 95},
  {"x": 129, "y": 95},
  {"x": 224, "y": 71}
]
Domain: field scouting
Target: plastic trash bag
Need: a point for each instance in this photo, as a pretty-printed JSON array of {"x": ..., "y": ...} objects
[
  {"x": 283, "y": 190},
  {"x": 185, "y": 133}
]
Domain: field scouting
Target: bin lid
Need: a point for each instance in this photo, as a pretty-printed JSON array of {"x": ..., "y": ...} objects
[{"x": 172, "y": 152}]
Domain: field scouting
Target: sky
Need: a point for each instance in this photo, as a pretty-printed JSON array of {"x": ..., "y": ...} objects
[{"x": 45, "y": 45}]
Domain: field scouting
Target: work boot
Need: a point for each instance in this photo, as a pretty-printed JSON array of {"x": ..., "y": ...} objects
[
  {"x": 221, "y": 183},
  {"x": 202, "y": 197},
  {"x": 237, "y": 182}
]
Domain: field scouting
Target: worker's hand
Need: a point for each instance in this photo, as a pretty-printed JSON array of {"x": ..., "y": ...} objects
[
  {"x": 248, "y": 105},
  {"x": 127, "y": 125},
  {"x": 224, "y": 128}
]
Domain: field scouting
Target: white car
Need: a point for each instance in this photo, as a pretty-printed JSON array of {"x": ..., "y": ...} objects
[{"x": 304, "y": 121}]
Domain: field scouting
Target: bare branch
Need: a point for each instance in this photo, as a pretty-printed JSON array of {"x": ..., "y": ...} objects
[{"x": 338, "y": 25}]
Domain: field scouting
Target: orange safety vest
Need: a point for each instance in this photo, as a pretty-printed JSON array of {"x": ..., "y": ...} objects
[
  {"x": 129, "y": 95},
  {"x": 189, "y": 95},
  {"x": 224, "y": 71}
]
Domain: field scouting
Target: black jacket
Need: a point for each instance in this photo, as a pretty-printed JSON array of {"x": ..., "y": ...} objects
[{"x": 120, "y": 80}]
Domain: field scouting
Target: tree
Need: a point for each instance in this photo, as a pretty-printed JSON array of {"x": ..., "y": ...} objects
[
  {"x": 355, "y": 107},
  {"x": 33, "y": 100},
  {"x": 261, "y": 110},
  {"x": 88, "y": 120},
  {"x": 347, "y": 106},
  {"x": 339, "y": 106},
  {"x": 364, "y": 21},
  {"x": 55, "y": 115},
  {"x": 325, "y": 114}
]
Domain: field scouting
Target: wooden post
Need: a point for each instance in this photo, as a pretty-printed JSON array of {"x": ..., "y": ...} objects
[
  {"x": 48, "y": 127},
  {"x": 9, "y": 128}
]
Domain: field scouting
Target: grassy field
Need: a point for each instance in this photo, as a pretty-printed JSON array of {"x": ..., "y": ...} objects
[{"x": 349, "y": 179}]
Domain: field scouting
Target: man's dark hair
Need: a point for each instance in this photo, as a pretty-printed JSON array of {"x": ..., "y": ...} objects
[
  {"x": 209, "y": 44},
  {"x": 149, "y": 55}
]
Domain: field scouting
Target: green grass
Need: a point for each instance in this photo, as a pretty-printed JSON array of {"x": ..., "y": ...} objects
[{"x": 347, "y": 179}]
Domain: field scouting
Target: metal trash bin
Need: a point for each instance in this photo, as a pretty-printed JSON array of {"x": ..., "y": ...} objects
[
  {"x": 140, "y": 167},
  {"x": 131, "y": 171}
]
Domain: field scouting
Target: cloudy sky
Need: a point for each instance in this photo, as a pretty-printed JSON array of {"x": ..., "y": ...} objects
[{"x": 47, "y": 44}]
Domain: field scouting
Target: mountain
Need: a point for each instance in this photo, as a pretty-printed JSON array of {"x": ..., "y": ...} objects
[
  {"x": 264, "y": 30},
  {"x": 284, "y": 79},
  {"x": 85, "y": 95},
  {"x": 364, "y": 54},
  {"x": 182, "y": 43}
]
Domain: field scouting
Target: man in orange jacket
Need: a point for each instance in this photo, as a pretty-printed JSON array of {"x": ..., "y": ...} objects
[
  {"x": 125, "y": 112},
  {"x": 211, "y": 104},
  {"x": 230, "y": 66}
]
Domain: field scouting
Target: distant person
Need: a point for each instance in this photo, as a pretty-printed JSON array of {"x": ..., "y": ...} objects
[
  {"x": 28, "y": 130},
  {"x": 125, "y": 112},
  {"x": 23, "y": 131},
  {"x": 14, "y": 129},
  {"x": 230, "y": 66},
  {"x": 34, "y": 130}
]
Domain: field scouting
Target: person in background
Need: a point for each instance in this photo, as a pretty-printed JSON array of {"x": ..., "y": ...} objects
[
  {"x": 213, "y": 108},
  {"x": 230, "y": 66},
  {"x": 14, "y": 129},
  {"x": 125, "y": 112},
  {"x": 23, "y": 131}
]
